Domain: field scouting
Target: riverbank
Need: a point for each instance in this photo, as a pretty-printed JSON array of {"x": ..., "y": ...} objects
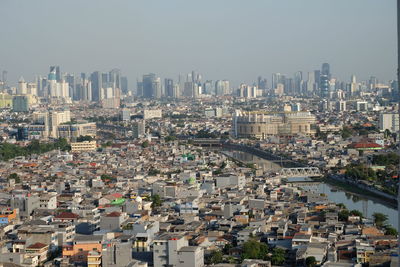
[{"x": 356, "y": 189}]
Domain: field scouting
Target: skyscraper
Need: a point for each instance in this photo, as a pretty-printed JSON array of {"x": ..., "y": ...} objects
[
  {"x": 95, "y": 78},
  {"x": 222, "y": 87},
  {"x": 70, "y": 79},
  {"x": 124, "y": 85},
  {"x": 324, "y": 80},
  {"x": 115, "y": 78},
  {"x": 298, "y": 83},
  {"x": 56, "y": 71},
  {"x": 149, "y": 85},
  {"x": 169, "y": 88}
]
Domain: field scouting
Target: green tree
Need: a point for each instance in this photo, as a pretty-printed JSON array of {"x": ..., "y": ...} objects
[
  {"x": 84, "y": 138},
  {"x": 343, "y": 215},
  {"x": 145, "y": 144},
  {"x": 346, "y": 132},
  {"x": 170, "y": 138},
  {"x": 156, "y": 201},
  {"x": 389, "y": 230},
  {"x": 215, "y": 257},
  {"x": 278, "y": 256},
  {"x": 15, "y": 177},
  {"x": 254, "y": 250},
  {"x": 153, "y": 172},
  {"x": 311, "y": 261},
  {"x": 356, "y": 213},
  {"x": 380, "y": 219}
]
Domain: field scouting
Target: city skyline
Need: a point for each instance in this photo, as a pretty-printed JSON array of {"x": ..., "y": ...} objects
[{"x": 240, "y": 46}]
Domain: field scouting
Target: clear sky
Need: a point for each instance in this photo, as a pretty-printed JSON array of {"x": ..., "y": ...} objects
[{"x": 236, "y": 40}]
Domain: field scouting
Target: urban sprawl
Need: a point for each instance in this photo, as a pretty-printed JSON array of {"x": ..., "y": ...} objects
[{"x": 189, "y": 172}]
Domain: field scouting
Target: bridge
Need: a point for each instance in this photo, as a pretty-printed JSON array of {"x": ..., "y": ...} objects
[
  {"x": 300, "y": 172},
  {"x": 207, "y": 142},
  {"x": 304, "y": 184}
]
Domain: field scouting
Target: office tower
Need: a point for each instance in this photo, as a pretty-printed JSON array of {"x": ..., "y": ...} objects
[
  {"x": 95, "y": 79},
  {"x": 139, "y": 88},
  {"x": 373, "y": 81},
  {"x": 276, "y": 79},
  {"x": 208, "y": 88},
  {"x": 325, "y": 70},
  {"x": 147, "y": 85},
  {"x": 324, "y": 80},
  {"x": 169, "y": 88},
  {"x": 22, "y": 87},
  {"x": 70, "y": 79},
  {"x": 124, "y": 85},
  {"x": 115, "y": 78},
  {"x": 104, "y": 78},
  {"x": 52, "y": 83},
  {"x": 288, "y": 86},
  {"x": 157, "y": 88},
  {"x": 222, "y": 87},
  {"x": 85, "y": 89},
  {"x": 311, "y": 82},
  {"x": 177, "y": 91},
  {"x": 56, "y": 71},
  {"x": 194, "y": 77},
  {"x": 353, "y": 86},
  {"x": 298, "y": 83},
  {"x": 261, "y": 83},
  {"x": 189, "y": 89},
  {"x": 317, "y": 77},
  {"x": 41, "y": 85}
]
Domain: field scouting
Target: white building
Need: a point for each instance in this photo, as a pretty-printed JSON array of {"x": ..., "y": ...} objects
[{"x": 389, "y": 121}]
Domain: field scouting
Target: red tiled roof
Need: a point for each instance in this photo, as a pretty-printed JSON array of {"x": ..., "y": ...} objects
[
  {"x": 114, "y": 214},
  {"x": 67, "y": 215},
  {"x": 37, "y": 245}
]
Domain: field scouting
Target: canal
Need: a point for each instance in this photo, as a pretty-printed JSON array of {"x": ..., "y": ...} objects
[{"x": 367, "y": 206}]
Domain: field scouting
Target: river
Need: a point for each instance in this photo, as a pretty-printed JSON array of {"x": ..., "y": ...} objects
[{"x": 352, "y": 201}]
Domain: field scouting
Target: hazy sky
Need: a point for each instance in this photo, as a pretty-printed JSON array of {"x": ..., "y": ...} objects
[{"x": 236, "y": 40}]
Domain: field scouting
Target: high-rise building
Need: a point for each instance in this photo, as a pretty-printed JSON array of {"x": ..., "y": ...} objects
[
  {"x": 55, "y": 70},
  {"x": 125, "y": 114},
  {"x": 261, "y": 83},
  {"x": 389, "y": 121},
  {"x": 147, "y": 85},
  {"x": 298, "y": 83},
  {"x": 222, "y": 87},
  {"x": 311, "y": 82},
  {"x": 138, "y": 128},
  {"x": 21, "y": 103},
  {"x": 70, "y": 79},
  {"x": 325, "y": 70},
  {"x": 169, "y": 88},
  {"x": 22, "y": 87},
  {"x": 124, "y": 85},
  {"x": 96, "y": 81},
  {"x": 276, "y": 79},
  {"x": 114, "y": 77},
  {"x": 324, "y": 80},
  {"x": 157, "y": 88}
]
